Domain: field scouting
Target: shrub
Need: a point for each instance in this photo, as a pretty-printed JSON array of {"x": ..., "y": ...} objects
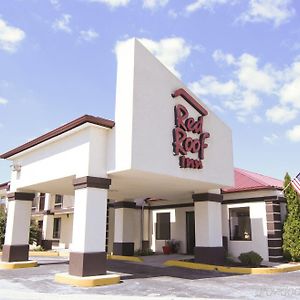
[
  {"x": 144, "y": 252},
  {"x": 251, "y": 259},
  {"x": 174, "y": 245}
]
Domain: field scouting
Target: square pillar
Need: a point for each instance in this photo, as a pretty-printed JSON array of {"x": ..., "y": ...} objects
[
  {"x": 48, "y": 219},
  {"x": 16, "y": 246},
  {"x": 88, "y": 256},
  {"x": 125, "y": 223},
  {"x": 208, "y": 228}
]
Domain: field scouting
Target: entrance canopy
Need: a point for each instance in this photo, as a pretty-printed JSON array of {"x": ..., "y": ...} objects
[{"x": 164, "y": 143}]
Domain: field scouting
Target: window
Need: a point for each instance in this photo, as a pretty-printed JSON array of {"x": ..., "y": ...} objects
[
  {"x": 58, "y": 201},
  {"x": 240, "y": 224},
  {"x": 56, "y": 228},
  {"x": 42, "y": 202},
  {"x": 34, "y": 204},
  {"x": 163, "y": 227}
]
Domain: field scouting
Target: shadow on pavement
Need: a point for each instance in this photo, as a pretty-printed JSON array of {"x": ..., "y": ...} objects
[{"x": 135, "y": 270}]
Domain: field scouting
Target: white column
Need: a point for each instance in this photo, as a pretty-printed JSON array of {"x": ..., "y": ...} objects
[
  {"x": 89, "y": 225},
  {"x": 208, "y": 228},
  {"x": 17, "y": 228},
  {"x": 125, "y": 228},
  {"x": 48, "y": 219},
  {"x": 88, "y": 256}
]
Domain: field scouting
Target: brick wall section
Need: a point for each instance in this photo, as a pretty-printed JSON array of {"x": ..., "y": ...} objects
[{"x": 274, "y": 226}]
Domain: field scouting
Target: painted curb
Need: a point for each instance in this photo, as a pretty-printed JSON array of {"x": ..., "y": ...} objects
[
  {"x": 125, "y": 258},
  {"x": 17, "y": 265},
  {"x": 236, "y": 270},
  {"x": 89, "y": 281},
  {"x": 43, "y": 253}
]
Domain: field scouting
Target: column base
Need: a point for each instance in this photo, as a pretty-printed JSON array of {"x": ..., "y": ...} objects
[
  {"x": 209, "y": 255},
  {"x": 15, "y": 253},
  {"x": 145, "y": 245},
  {"x": 88, "y": 281},
  {"x": 17, "y": 265},
  {"x": 125, "y": 249},
  {"x": 46, "y": 244},
  {"x": 87, "y": 263}
]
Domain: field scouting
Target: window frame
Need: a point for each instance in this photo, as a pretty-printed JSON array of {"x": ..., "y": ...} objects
[
  {"x": 231, "y": 236},
  {"x": 58, "y": 205},
  {"x": 158, "y": 235},
  {"x": 56, "y": 233}
]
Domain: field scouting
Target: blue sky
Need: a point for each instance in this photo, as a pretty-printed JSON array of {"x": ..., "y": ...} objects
[{"x": 242, "y": 57}]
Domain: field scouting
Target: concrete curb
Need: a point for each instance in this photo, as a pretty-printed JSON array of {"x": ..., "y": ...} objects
[
  {"x": 125, "y": 258},
  {"x": 89, "y": 281},
  {"x": 17, "y": 265},
  {"x": 237, "y": 270}
]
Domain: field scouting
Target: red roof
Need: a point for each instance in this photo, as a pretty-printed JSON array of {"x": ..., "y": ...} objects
[{"x": 245, "y": 180}]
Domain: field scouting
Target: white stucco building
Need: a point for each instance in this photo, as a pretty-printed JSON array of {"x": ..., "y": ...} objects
[{"x": 161, "y": 170}]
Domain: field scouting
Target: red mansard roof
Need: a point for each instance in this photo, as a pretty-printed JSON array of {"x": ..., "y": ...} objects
[{"x": 249, "y": 181}]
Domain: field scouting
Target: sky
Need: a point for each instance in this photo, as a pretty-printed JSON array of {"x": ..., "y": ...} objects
[{"x": 241, "y": 57}]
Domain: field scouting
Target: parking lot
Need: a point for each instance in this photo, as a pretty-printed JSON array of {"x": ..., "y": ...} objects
[{"x": 140, "y": 280}]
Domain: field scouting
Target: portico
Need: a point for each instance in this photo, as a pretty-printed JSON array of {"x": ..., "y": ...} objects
[{"x": 164, "y": 145}]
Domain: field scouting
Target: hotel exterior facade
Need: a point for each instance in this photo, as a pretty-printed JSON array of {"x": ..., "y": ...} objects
[{"x": 162, "y": 170}]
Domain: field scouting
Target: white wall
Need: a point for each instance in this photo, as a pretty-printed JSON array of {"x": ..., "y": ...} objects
[
  {"x": 65, "y": 240},
  {"x": 145, "y": 120},
  {"x": 178, "y": 227},
  {"x": 259, "y": 242},
  {"x": 79, "y": 152}
]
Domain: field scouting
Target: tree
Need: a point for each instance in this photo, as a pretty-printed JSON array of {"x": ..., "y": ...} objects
[
  {"x": 2, "y": 225},
  {"x": 34, "y": 229},
  {"x": 291, "y": 227}
]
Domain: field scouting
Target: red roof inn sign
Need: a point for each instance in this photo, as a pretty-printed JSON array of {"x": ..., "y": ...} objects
[{"x": 188, "y": 134}]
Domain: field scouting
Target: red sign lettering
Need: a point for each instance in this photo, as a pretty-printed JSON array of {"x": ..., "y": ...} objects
[{"x": 188, "y": 134}]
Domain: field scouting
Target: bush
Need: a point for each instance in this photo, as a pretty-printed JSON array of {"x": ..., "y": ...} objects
[
  {"x": 174, "y": 245},
  {"x": 251, "y": 259},
  {"x": 144, "y": 252}
]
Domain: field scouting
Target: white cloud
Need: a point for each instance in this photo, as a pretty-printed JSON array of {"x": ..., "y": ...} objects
[
  {"x": 290, "y": 92},
  {"x": 55, "y": 3},
  {"x": 281, "y": 114},
  {"x": 276, "y": 11},
  {"x": 206, "y": 4},
  {"x": 209, "y": 85},
  {"x": 257, "y": 119},
  {"x": 152, "y": 4},
  {"x": 170, "y": 51},
  {"x": 220, "y": 56},
  {"x": 63, "y": 23},
  {"x": 245, "y": 103},
  {"x": 88, "y": 35},
  {"x": 271, "y": 139},
  {"x": 253, "y": 78},
  {"x": 112, "y": 3},
  {"x": 10, "y": 37},
  {"x": 3, "y": 101},
  {"x": 294, "y": 134}
]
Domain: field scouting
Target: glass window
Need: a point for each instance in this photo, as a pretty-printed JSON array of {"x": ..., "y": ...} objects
[
  {"x": 240, "y": 224},
  {"x": 58, "y": 201},
  {"x": 163, "y": 227},
  {"x": 56, "y": 228},
  {"x": 42, "y": 201}
]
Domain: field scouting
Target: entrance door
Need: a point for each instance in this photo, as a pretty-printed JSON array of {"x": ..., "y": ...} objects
[{"x": 190, "y": 232}]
